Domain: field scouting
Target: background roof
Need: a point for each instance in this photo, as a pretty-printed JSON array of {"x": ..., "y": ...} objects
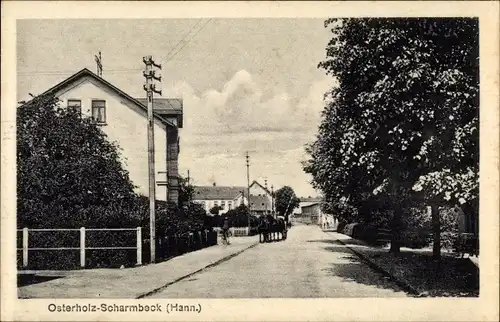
[{"x": 217, "y": 193}]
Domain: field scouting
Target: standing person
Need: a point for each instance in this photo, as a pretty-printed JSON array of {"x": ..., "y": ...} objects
[{"x": 225, "y": 230}]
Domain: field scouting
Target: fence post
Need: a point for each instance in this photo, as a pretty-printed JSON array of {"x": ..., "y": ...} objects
[
  {"x": 82, "y": 247},
  {"x": 25, "y": 247},
  {"x": 139, "y": 246}
]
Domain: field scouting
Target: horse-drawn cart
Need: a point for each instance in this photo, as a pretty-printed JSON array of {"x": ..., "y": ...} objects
[{"x": 272, "y": 229}]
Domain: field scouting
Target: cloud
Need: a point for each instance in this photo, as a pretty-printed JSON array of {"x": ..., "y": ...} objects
[
  {"x": 221, "y": 125},
  {"x": 242, "y": 107}
]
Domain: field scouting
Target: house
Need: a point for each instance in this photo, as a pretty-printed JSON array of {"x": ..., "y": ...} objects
[
  {"x": 260, "y": 205},
  {"x": 230, "y": 197},
  {"x": 226, "y": 198},
  {"x": 312, "y": 213},
  {"x": 306, "y": 201},
  {"x": 261, "y": 199},
  {"x": 124, "y": 120}
]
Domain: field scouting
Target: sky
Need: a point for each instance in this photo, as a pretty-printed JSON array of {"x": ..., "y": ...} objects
[{"x": 247, "y": 84}]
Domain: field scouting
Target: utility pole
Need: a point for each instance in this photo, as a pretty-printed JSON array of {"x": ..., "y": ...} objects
[
  {"x": 265, "y": 185},
  {"x": 248, "y": 187},
  {"x": 272, "y": 200},
  {"x": 98, "y": 60},
  {"x": 150, "y": 88}
]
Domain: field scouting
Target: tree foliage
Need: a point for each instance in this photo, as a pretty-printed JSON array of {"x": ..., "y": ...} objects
[
  {"x": 239, "y": 216},
  {"x": 186, "y": 191},
  {"x": 215, "y": 210},
  {"x": 401, "y": 125},
  {"x": 70, "y": 176},
  {"x": 65, "y": 166},
  {"x": 286, "y": 201}
]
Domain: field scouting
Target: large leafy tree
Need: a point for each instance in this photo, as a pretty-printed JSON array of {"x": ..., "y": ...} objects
[
  {"x": 286, "y": 201},
  {"x": 403, "y": 116},
  {"x": 65, "y": 166},
  {"x": 239, "y": 216},
  {"x": 186, "y": 191}
]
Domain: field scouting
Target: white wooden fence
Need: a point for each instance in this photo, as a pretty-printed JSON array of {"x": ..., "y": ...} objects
[
  {"x": 235, "y": 231},
  {"x": 239, "y": 231},
  {"x": 82, "y": 247}
]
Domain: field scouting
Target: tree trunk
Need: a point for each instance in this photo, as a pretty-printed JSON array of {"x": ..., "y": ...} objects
[
  {"x": 436, "y": 232},
  {"x": 396, "y": 230}
]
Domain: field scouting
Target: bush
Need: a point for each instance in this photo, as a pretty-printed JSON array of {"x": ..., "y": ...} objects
[
  {"x": 415, "y": 238},
  {"x": 171, "y": 221},
  {"x": 366, "y": 232},
  {"x": 350, "y": 229},
  {"x": 340, "y": 227},
  {"x": 466, "y": 243}
]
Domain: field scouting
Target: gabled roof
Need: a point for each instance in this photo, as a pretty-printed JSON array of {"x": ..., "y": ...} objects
[
  {"x": 255, "y": 182},
  {"x": 311, "y": 204},
  {"x": 167, "y": 105},
  {"x": 311, "y": 199},
  {"x": 259, "y": 203},
  {"x": 217, "y": 193},
  {"x": 86, "y": 72}
]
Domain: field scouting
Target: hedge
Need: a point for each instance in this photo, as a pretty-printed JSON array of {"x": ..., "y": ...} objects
[{"x": 172, "y": 222}]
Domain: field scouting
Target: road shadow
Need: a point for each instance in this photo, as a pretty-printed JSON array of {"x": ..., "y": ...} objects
[
  {"x": 337, "y": 242},
  {"x": 452, "y": 277},
  {"x": 29, "y": 279},
  {"x": 356, "y": 271},
  {"x": 325, "y": 241},
  {"x": 338, "y": 249}
]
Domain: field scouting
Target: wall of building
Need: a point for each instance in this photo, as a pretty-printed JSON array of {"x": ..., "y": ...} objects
[
  {"x": 173, "y": 163},
  {"x": 312, "y": 213},
  {"x": 303, "y": 204},
  {"x": 227, "y": 204},
  {"x": 257, "y": 190},
  {"x": 126, "y": 124}
]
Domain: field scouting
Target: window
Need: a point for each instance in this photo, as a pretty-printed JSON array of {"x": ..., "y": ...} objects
[
  {"x": 99, "y": 111},
  {"x": 216, "y": 203},
  {"x": 223, "y": 204},
  {"x": 75, "y": 105},
  {"x": 230, "y": 205}
]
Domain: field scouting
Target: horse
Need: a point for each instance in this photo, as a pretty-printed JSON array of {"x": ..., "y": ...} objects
[
  {"x": 263, "y": 230},
  {"x": 272, "y": 230},
  {"x": 281, "y": 227},
  {"x": 277, "y": 226}
]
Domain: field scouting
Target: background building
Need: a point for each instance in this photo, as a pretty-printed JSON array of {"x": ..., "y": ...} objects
[{"x": 230, "y": 197}]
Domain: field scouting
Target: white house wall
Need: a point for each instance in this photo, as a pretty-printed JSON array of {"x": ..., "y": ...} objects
[
  {"x": 257, "y": 190},
  {"x": 126, "y": 123},
  {"x": 303, "y": 204},
  {"x": 209, "y": 204}
]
